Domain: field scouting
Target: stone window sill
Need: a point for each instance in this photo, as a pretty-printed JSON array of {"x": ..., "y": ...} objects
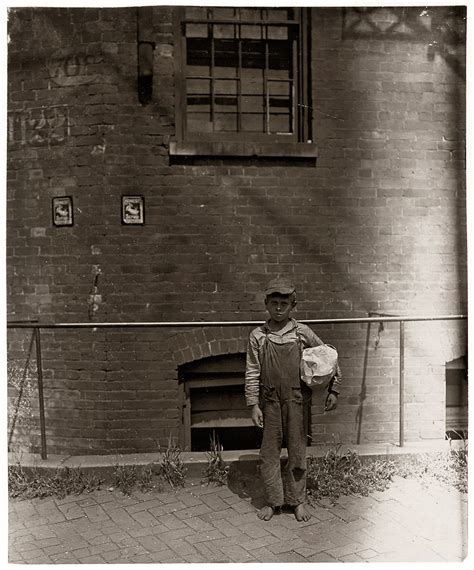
[{"x": 249, "y": 149}]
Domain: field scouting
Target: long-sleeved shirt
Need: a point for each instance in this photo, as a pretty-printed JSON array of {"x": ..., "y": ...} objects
[{"x": 293, "y": 331}]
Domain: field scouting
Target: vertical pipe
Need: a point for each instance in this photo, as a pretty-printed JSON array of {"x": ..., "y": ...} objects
[
  {"x": 402, "y": 383},
  {"x": 39, "y": 367}
]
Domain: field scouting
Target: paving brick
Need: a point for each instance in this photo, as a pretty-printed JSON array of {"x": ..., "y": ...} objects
[
  {"x": 181, "y": 547},
  {"x": 215, "y": 516},
  {"x": 255, "y": 529},
  {"x": 227, "y": 537},
  {"x": 177, "y": 533},
  {"x": 197, "y": 523},
  {"x": 291, "y": 557},
  {"x": 350, "y": 548},
  {"x": 367, "y": 554},
  {"x": 151, "y": 543},
  {"x": 322, "y": 557},
  {"x": 259, "y": 542},
  {"x": 95, "y": 513},
  {"x": 203, "y": 536},
  {"x": 286, "y": 545},
  {"x": 264, "y": 555},
  {"x": 144, "y": 506},
  {"x": 194, "y": 511},
  {"x": 237, "y": 553},
  {"x": 96, "y": 559},
  {"x": 350, "y": 558},
  {"x": 210, "y": 552},
  {"x": 214, "y": 502},
  {"x": 189, "y": 500}
]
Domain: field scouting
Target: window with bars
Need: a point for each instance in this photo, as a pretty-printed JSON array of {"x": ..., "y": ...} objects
[{"x": 242, "y": 75}]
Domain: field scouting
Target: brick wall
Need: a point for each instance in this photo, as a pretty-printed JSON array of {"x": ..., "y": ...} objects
[{"x": 377, "y": 225}]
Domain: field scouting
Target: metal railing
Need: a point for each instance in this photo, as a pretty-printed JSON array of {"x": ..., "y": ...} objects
[{"x": 36, "y": 327}]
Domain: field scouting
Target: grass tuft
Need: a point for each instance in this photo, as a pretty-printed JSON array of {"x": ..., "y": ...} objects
[
  {"x": 65, "y": 481},
  {"x": 127, "y": 477},
  {"x": 216, "y": 471},
  {"x": 172, "y": 467},
  {"x": 339, "y": 473}
]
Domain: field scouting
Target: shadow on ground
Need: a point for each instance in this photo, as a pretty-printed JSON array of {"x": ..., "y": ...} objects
[{"x": 243, "y": 479}]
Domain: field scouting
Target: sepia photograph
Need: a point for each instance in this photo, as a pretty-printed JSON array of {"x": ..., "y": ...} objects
[{"x": 271, "y": 366}]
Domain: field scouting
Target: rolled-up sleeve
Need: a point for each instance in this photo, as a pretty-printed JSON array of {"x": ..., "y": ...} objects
[
  {"x": 252, "y": 372},
  {"x": 336, "y": 381}
]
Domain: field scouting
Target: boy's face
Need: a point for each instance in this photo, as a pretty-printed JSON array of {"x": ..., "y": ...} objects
[{"x": 279, "y": 307}]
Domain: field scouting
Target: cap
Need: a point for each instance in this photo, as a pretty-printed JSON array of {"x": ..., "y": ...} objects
[{"x": 280, "y": 285}]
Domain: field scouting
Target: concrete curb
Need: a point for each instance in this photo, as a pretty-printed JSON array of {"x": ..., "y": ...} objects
[{"x": 195, "y": 462}]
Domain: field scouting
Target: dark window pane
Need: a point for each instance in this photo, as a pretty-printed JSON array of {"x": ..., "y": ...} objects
[
  {"x": 253, "y": 54},
  {"x": 198, "y": 51},
  {"x": 226, "y": 53},
  {"x": 280, "y": 54}
]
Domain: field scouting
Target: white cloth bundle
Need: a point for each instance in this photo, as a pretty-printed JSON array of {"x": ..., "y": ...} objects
[{"x": 318, "y": 365}]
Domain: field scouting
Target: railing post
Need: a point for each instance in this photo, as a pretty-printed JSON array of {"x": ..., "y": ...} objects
[
  {"x": 39, "y": 369},
  {"x": 402, "y": 384}
]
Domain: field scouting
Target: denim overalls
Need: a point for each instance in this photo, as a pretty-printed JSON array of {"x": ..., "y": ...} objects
[{"x": 284, "y": 402}]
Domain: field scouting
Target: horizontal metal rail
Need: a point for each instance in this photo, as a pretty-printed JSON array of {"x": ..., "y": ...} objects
[
  {"x": 36, "y": 326},
  {"x": 178, "y": 324}
]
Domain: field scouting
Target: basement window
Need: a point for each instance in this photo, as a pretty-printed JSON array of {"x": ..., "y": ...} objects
[
  {"x": 243, "y": 81},
  {"x": 456, "y": 398},
  {"x": 213, "y": 403}
]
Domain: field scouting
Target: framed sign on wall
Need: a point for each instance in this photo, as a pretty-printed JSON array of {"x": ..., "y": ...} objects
[
  {"x": 62, "y": 211},
  {"x": 133, "y": 210}
]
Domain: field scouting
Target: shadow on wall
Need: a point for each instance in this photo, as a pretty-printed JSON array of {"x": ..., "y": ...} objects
[{"x": 440, "y": 28}]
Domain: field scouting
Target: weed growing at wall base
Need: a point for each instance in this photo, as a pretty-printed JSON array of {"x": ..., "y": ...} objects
[
  {"x": 216, "y": 470},
  {"x": 339, "y": 473},
  {"x": 127, "y": 477},
  {"x": 65, "y": 481},
  {"x": 172, "y": 467}
]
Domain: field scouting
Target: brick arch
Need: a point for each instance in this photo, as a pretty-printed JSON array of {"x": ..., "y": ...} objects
[{"x": 202, "y": 342}]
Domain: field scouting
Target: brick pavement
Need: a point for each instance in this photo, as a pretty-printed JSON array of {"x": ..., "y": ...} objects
[{"x": 410, "y": 522}]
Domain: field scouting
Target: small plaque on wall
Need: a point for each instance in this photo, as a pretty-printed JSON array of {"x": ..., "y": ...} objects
[
  {"x": 133, "y": 210},
  {"x": 62, "y": 211}
]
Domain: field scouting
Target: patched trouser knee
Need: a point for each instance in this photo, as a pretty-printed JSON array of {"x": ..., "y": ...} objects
[{"x": 283, "y": 421}]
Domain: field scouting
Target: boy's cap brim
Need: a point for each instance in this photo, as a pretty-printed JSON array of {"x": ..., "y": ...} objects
[{"x": 282, "y": 287}]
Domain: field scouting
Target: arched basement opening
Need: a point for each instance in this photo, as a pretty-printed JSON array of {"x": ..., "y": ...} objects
[
  {"x": 212, "y": 402},
  {"x": 456, "y": 398}
]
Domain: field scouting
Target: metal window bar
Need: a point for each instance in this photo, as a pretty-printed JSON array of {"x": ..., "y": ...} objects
[
  {"x": 212, "y": 73},
  {"x": 238, "y": 32},
  {"x": 36, "y": 326}
]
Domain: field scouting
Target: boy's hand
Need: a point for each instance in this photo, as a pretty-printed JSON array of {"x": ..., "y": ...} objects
[
  {"x": 257, "y": 416},
  {"x": 331, "y": 402}
]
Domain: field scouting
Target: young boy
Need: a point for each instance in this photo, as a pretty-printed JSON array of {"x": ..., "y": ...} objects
[{"x": 279, "y": 400}]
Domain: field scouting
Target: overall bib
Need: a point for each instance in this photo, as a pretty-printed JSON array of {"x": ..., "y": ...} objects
[{"x": 284, "y": 405}]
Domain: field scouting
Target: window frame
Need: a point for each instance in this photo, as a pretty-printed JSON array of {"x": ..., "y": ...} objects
[{"x": 296, "y": 144}]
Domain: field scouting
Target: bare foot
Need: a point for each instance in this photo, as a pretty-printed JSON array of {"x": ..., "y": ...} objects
[
  {"x": 266, "y": 513},
  {"x": 301, "y": 514}
]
